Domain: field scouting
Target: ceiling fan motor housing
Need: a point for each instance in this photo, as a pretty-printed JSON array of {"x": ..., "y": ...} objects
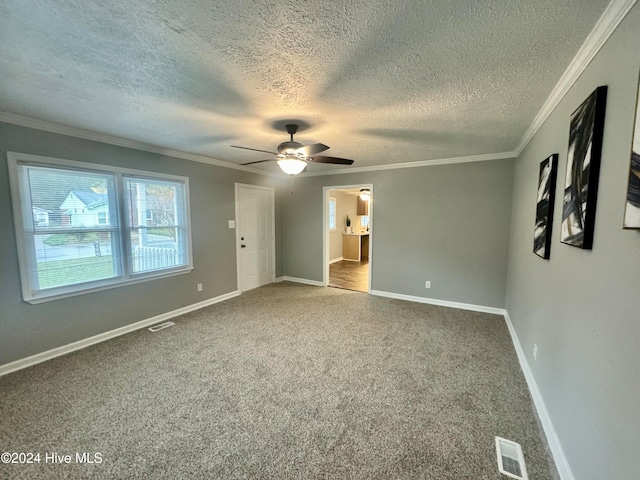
[{"x": 289, "y": 147}]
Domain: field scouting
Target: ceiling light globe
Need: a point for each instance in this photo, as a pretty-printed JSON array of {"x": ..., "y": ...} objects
[{"x": 292, "y": 166}]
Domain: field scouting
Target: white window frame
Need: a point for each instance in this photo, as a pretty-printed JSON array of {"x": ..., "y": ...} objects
[
  {"x": 124, "y": 275},
  {"x": 335, "y": 214}
]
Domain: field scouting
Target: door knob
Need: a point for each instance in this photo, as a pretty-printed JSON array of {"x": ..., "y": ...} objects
[{"x": 242, "y": 246}]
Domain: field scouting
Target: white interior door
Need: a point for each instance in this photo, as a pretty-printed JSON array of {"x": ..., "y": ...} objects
[{"x": 255, "y": 236}]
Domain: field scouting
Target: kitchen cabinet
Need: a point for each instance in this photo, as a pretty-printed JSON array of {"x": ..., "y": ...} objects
[
  {"x": 363, "y": 206},
  {"x": 355, "y": 246}
]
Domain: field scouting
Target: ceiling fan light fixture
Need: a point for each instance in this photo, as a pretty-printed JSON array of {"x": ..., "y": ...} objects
[
  {"x": 292, "y": 166},
  {"x": 292, "y": 156},
  {"x": 365, "y": 193}
]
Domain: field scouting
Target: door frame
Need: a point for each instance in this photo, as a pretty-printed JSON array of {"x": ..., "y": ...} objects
[
  {"x": 271, "y": 190},
  {"x": 325, "y": 229}
]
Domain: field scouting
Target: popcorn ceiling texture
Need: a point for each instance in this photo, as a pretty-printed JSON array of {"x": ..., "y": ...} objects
[{"x": 380, "y": 82}]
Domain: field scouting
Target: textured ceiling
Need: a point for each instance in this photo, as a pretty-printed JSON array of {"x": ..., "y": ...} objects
[{"x": 379, "y": 81}]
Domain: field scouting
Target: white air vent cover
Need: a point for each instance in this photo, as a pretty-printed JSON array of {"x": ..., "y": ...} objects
[
  {"x": 510, "y": 459},
  {"x": 160, "y": 326}
]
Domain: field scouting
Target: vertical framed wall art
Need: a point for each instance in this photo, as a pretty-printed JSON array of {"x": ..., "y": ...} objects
[
  {"x": 583, "y": 170},
  {"x": 632, "y": 207},
  {"x": 544, "y": 206}
]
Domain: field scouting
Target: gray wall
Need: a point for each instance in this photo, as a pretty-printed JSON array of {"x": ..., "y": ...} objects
[
  {"x": 582, "y": 307},
  {"x": 448, "y": 224},
  {"x": 30, "y": 329}
]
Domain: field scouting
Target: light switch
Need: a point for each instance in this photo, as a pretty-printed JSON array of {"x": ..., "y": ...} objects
[{"x": 232, "y": 224}]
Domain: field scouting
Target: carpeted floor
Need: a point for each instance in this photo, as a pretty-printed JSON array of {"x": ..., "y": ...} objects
[{"x": 284, "y": 382}]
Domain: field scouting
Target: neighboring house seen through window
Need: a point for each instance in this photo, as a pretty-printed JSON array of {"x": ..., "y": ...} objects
[{"x": 83, "y": 227}]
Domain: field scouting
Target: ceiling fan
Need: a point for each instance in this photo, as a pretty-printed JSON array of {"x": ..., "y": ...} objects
[{"x": 293, "y": 157}]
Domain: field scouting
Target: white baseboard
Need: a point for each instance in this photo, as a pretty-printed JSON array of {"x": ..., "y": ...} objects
[
  {"x": 336, "y": 260},
  {"x": 442, "y": 303},
  {"x": 562, "y": 464},
  {"x": 56, "y": 352},
  {"x": 315, "y": 283}
]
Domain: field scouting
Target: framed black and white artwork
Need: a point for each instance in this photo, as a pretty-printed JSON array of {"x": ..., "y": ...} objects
[
  {"x": 544, "y": 206},
  {"x": 632, "y": 207},
  {"x": 583, "y": 171}
]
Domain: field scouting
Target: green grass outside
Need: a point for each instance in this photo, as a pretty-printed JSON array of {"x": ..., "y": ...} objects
[
  {"x": 74, "y": 270},
  {"x": 74, "y": 238},
  {"x": 167, "y": 232}
]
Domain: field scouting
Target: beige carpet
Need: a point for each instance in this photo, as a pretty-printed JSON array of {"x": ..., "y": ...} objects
[{"x": 284, "y": 382}]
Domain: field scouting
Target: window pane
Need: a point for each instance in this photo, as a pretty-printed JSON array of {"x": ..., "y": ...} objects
[
  {"x": 64, "y": 199},
  {"x": 156, "y": 215},
  {"x": 332, "y": 213},
  {"x": 154, "y": 248},
  {"x": 153, "y": 203},
  {"x": 67, "y": 220},
  {"x": 70, "y": 258}
]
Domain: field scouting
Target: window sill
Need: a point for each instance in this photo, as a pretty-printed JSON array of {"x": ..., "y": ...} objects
[{"x": 107, "y": 285}]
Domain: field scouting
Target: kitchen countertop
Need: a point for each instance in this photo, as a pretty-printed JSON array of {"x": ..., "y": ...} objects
[{"x": 361, "y": 234}]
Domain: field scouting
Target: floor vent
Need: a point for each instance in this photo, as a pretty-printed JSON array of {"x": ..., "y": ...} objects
[
  {"x": 510, "y": 459},
  {"x": 160, "y": 326}
]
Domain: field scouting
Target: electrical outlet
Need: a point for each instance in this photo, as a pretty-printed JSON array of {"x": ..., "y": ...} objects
[
  {"x": 427, "y": 284},
  {"x": 199, "y": 287},
  {"x": 535, "y": 351}
]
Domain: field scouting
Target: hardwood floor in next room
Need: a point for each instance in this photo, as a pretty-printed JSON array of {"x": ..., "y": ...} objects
[{"x": 350, "y": 275}]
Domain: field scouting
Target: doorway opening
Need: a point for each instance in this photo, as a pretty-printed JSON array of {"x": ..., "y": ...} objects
[{"x": 348, "y": 247}]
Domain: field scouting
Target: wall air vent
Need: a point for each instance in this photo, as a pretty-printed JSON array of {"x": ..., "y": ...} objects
[
  {"x": 510, "y": 459},
  {"x": 160, "y": 326}
]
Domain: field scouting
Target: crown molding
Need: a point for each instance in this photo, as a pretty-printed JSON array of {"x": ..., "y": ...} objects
[
  {"x": 422, "y": 163},
  {"x": 52, "y": 127},
  {"x": 606, "y": 25}
]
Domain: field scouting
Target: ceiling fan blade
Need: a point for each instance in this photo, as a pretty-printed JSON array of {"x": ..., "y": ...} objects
[
  {"x": 254, "y": 149},
  {"x": 335, "y": 160},
  {"x": 312, "y": 149},
  {"x": 260, "y": 161}
]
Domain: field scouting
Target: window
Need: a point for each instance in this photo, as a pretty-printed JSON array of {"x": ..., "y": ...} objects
[
  {"x": 96, "y": 233},
  {"x": 156, "y": 243},
  {"x": 364, "y": 221},
  {"x": 332, "y": 213}
]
